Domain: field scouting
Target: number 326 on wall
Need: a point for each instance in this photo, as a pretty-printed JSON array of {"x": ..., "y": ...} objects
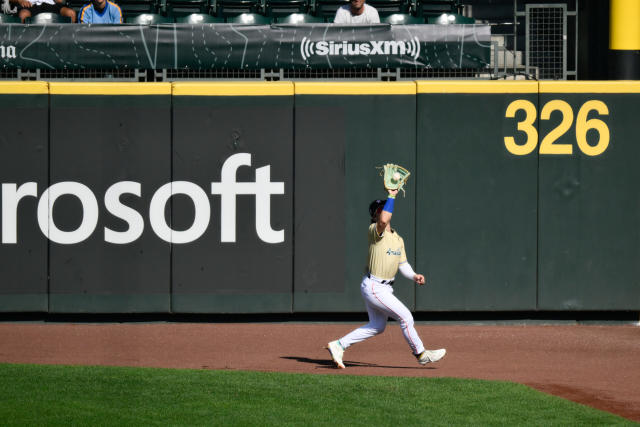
[{"x": 549, "y": 144}]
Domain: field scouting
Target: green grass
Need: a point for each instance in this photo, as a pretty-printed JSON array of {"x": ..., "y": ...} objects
[{"x": 78, "y": 395}]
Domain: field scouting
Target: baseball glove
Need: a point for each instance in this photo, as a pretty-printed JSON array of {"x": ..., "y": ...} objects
[{"x": 395, "y": 176}]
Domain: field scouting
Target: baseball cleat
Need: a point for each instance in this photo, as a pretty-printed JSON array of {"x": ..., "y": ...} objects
[
  {"x": 428, "y": 356},
  {"x": 336, "y": 351}
]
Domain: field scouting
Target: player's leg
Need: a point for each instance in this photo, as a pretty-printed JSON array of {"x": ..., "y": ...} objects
[
  {"x": 384, "y": 300},
  {"x": 377, "y": 324},
  {"x": 401, "y": 313}
]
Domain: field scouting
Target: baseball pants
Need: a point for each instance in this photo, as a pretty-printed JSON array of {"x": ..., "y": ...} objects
[{"x": 382, "y": 304}]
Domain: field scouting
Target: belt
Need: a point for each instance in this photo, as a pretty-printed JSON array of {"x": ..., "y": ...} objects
[{"x": 384, "y": 282}]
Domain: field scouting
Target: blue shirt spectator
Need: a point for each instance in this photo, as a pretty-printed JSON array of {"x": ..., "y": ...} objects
[{"x": 101, "y": 12}]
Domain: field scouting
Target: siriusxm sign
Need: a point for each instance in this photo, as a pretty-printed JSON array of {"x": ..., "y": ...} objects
[
  {"x": 310, "y": 48},
  {"x": 262, "y": 188},
  {"x": 249, "y": 47}
]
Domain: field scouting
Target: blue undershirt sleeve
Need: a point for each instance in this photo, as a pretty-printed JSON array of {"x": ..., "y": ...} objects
[{"x": 388, "y": 206}]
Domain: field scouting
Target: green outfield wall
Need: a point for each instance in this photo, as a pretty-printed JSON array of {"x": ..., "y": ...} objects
[
  {"x": 252, "y": 197},
  {"x": 589, "y": 200},
  {"x": 477, "y": 203},
  {"x": 99, "y": 136},
  {"x": 343, "y": 132},
  {"x": 24, "y": 158},
  {"x": 241, "y": 271}
]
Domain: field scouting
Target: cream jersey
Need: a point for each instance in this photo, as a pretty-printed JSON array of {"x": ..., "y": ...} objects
[{"x": 386, "y": 253}]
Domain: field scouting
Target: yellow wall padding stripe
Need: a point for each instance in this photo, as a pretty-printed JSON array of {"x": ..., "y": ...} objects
[
  {"x": 110, "y": 88},
  {"x": 590, "y": 87},
  {"x": 24, "y": 88},
  {"x": 469, "y": 86},
  {"x": 624, "y": 25},
  {"x": 233, "y": 89},
  {"x": 355, "y": 88}
]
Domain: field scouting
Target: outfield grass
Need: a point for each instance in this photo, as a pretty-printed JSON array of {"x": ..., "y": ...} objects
[{"x": 78, "y": 395}]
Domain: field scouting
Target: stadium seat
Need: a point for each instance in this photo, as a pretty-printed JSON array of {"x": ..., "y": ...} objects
[
  {"x": 76, "y": 4},
  {"x": 148, "y": 19},
  {"x": 402, "y": 19},
  {"x": 450, "y": 18},
  {"x": 326, "y": 9},
  {"x": 132, "y": 8},
  {"x": 280, "y": 8},
  {"x": 48, "y": 18},
  {"x": 428, "y": 8},
  {"x": 177, "y": 8},
  {"x": 299, "y": 18},
  {"x": 199, "y": 18},
  {"x": 9, "y": 19},
  {"x": 389, "y": 7},
  {"x": 499, "y": 12},
  {"x": 230, "y": 8},
  {"x": 249, "y": 19}
]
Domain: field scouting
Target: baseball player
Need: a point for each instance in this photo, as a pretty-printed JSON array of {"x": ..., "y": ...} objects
[{"x": 386, "y": 257}]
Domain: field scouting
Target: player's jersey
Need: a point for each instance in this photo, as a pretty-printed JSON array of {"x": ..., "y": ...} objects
[
  {"x": 110, "y": 15},
  {"x": 386, "y": 253}
]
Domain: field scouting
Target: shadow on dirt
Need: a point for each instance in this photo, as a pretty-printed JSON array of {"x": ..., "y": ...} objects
[{"x": 328, "y": 364}]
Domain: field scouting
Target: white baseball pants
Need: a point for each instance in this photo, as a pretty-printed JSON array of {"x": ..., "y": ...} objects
[{"x": 382, "y": 304}]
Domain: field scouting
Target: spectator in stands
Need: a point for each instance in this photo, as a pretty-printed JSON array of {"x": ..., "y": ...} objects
[
  {"x": 357, "y": 12},
  {"x": 29, "y": 8},
  {"x": 101, "y": 12}
]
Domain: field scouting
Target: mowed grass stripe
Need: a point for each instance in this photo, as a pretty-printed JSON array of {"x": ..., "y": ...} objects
[{"x": 79, "y": 395}]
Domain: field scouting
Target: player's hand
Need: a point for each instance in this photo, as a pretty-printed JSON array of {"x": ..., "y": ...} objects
[
  {"x": 419, "y": 279},
  {"x": 393, "y": 192},
  {"x": 25, "y": 3}
]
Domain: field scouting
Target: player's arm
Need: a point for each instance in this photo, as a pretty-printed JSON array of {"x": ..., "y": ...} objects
[
  {"x": 405, "y": 268},
  {"x": 407, "y": 271},
  {"x": 387, "y": 211}
]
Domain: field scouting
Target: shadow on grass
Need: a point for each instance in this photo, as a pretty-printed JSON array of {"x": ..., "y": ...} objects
[{"x": 328, "y": 363}]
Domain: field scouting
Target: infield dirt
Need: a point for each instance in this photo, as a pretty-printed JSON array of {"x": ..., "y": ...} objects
[{"x": 597, "y": 366}]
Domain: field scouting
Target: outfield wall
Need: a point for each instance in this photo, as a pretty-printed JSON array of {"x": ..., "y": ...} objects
[{"x": 251, "y": 197}]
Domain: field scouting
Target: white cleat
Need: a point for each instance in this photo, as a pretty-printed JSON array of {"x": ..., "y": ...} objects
[
  {"x": 336, "y": 351},
  {"x": 428, "y": 356}
]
